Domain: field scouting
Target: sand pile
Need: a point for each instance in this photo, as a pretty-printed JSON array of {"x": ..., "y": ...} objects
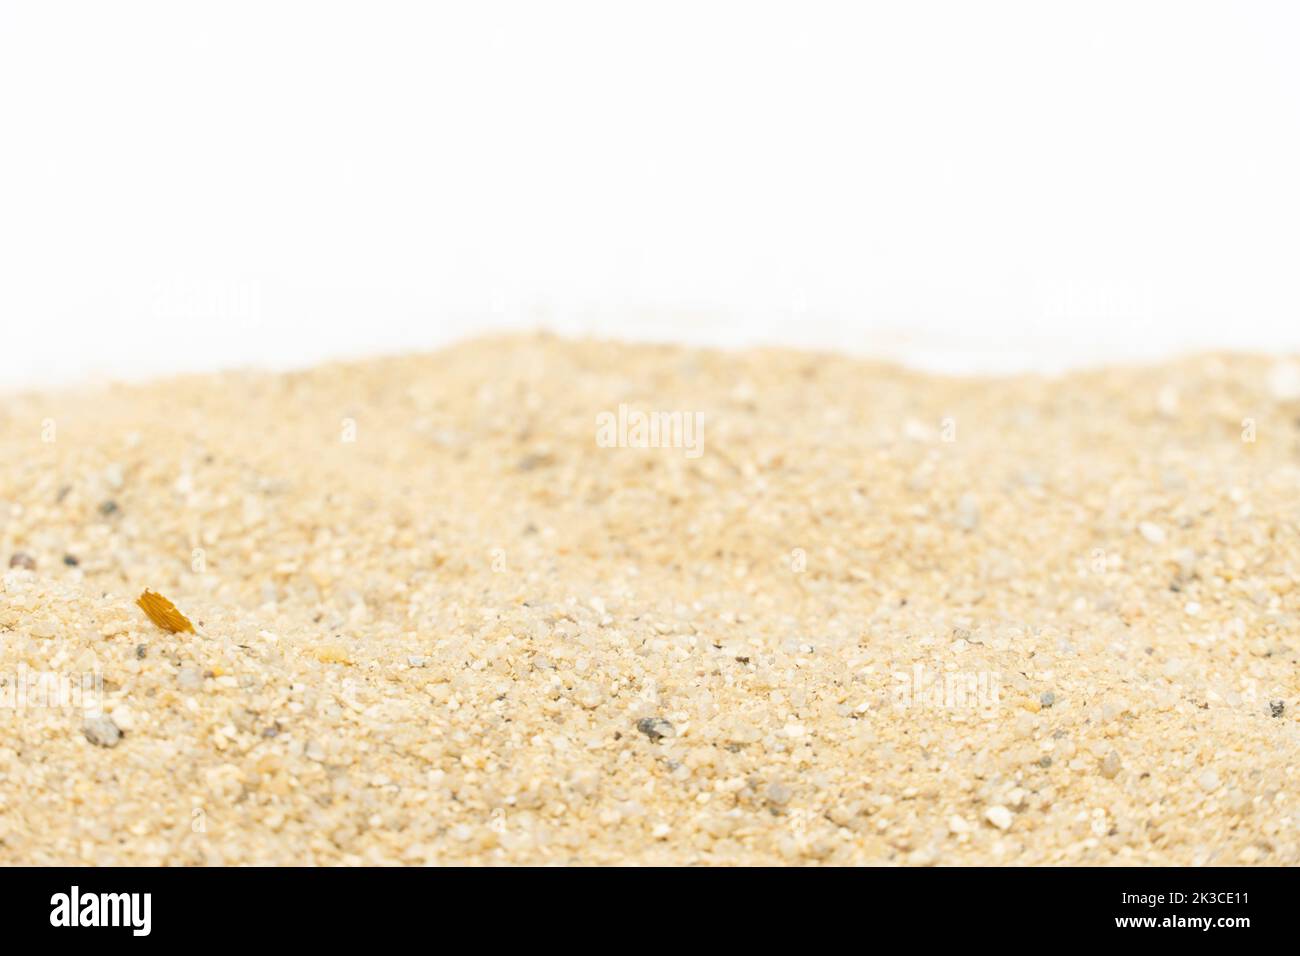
[{"x": 449, "y": 611}]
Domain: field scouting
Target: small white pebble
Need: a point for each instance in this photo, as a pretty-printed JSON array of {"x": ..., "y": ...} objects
[
  {"x": 1110, "y": 765},
  {"x": 1167, "y": 401},
  {"x": 1284, "y": 381},
  {"x": 123, "y": 717},
  {"x": 589, "y": 696},
  {"x": 968, "y": 512},
  {"x": 1152, "y": 532},
  {"x": 999, "y": 816}
]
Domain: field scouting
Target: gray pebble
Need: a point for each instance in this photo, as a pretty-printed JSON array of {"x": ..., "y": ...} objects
[
  {"x": 1048, "y": 698},
  {"x": 1277, "y": 707},
  {"x": 533, "y": 461},
  {"x": 102, "y": 732},
  {"x": 779, "y": 794},
  {"x": 655, "y": 727}
]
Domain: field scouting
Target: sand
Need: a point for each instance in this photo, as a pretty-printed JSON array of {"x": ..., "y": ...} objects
[{"x": 442, "y": 618}]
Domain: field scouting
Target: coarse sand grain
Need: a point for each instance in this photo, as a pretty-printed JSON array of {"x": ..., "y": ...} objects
[{"x": 838, "y": 612}]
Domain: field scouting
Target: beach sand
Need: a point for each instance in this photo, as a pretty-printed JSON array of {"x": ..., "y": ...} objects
[{"x": 862, "y": 615}]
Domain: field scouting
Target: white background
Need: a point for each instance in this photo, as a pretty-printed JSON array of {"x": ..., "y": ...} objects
[{"x": 966, "y": 185}]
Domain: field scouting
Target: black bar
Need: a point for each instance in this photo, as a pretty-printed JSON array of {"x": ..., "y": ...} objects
[{"x": 531, "y": 906}]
